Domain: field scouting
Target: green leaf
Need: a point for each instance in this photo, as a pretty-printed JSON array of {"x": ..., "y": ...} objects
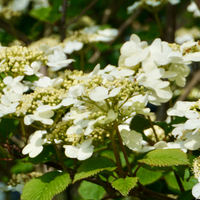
[
  {"x": 173, "y": 185},
  {"x": 7, "y": 128},
  {"x": 40, "y": 13},
  {"x": 89, "y": 190},
  {"x": 165, "y": 157},
  {"x": 46, "y": 186},
  {"x": 93, "y": 166},
  {"x": 147, "y": 177},
  {"x": 21, "y": 167},
  {"x": 124, "y": 185},
  {"x": 139, "y": 123},
  {"x": 186, "y": 196},
  {"x": 46, "y": 14}
]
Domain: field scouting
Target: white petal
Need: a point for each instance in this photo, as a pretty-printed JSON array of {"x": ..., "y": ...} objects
[
  {"x": 71, "y": 151},
  {"x": 114, "y": 92},
  {"x": 85, "y": 153},
  {"x": 36, "y": 151},
  {"x": 196, "y": 191},
  {"x": 192, "y": 124},
  {"x": 28, "y": 148}
]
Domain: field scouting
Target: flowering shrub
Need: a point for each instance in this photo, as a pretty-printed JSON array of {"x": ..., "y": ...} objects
[{"x": 97, "y": 128}]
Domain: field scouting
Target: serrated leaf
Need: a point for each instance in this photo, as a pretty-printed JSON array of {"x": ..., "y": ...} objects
[
  {"x": 46, "y": 186},
  {"x": 89, "y": 190},
  {"x": 147, "y": 177},
  {"x": 165, "y": 157},
  {"x": 93, "y": 166},
  {"x": 124, "y": 185}
]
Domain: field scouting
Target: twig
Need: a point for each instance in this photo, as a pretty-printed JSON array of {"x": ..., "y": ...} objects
[
  {"x": 198, "y": 3},
  {"x": 126, "y": 24},
  {"x": 15, "y": 32},
  {"x": 82, "y": 13},
  {"x": 170, "y": 23},
  {"x": 63, "y": 20},
  {"x": 195, "y": 79},
  {"x": 121, "y": 29}
]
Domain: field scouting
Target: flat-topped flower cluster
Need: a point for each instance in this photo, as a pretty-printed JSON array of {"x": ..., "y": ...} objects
[{"x": 80, "y": 112}]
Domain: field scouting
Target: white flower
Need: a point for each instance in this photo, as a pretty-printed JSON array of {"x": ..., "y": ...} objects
[
  {"x": 192, "y": 142},
  {"x": 100, "y": 93},
  {"x": 196, "y": 190},
  {"x": 18, "y": 5},
  {"x": 45, "y": 82},
  {"x": 133, "y": 7},
  {"x": 105, "y": 35},
  {"x": 132, "y": 139},
  {"x": 42, "y": 114},
  {"x": 173, "y": 2},
  {"x": 90, "y": 75},
  {"x": 14, "y": 84},
  {"x": 58, "y": 60},
  {"x": 75, "y": 91},
  {"x": 180, "y": 108},
  {"x": 72, "y": 46},
  {"x": 34, "y": 147},
  {"x": 194, "y": 8},
  {"x": 33, "y": 69},
  {"x": 82, "y": 151},
  {"x": 76, "y": 114},
  {"x": 134, "y": 51}
]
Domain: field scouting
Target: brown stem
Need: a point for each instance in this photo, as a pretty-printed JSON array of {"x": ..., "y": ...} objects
[
  {"x": 154, "y": 131},
  {"x": 179, "y": 182},
  {"x": 123, "y": 149},
  {"x": 198, "y": 3},
  {"x": 63, "y": 20},
  {"x": 123, "y": 27},
  {"x": 116, "y": 153},
  {"x": 82, "y": 13},
  {"x": 170, "y": 23},
  {"x": 16, "y": 33},
  {"x": 189, "y": 86}
]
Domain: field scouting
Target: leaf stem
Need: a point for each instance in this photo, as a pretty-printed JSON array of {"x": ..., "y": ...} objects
[
  {"x": 123, "y": 149},
  {"x": 158, "y": 22},
  {"x": 116, "y": 153},
  {"x": 23, "y": 129},
  {"x": 60, "y": 158},
  {"x": 154, "y": 131},
  {"x": 179, "y": 182}
]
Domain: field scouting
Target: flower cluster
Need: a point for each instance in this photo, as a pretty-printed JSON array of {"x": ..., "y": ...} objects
[{"x": 150, "y": 5}]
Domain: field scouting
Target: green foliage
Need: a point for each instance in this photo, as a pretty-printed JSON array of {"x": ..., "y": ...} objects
[
  {"x": 147, "y": 177},
  {"x": 173, "y": 185},
  {"x": 89, "y": 190},
  {"x": 46, "y": 186},
  {"x": 93, "y": 166},
  {"x": 165, "y": 157},
  {"x": 124, "y": 185},
  {"x": 7, "y": 128},
  {"x": 48, "y": 14},
  {"x": 21, "y": 167},
  {"x": 139, "y": 123}
]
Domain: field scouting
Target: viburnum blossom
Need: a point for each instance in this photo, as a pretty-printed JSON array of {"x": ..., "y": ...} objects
[
  {"x": 35, "y": 145},
  {"x": 81, "y": 152},
  {"x": 58, "y": 60}
]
